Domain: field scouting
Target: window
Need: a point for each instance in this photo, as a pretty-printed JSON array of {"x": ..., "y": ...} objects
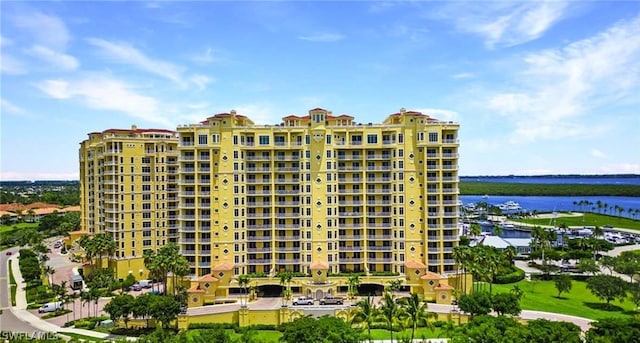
[
  {"x": 400, "y": 138},
  {"x": 372, "y": 139},
  {"x": 433, "y": 136},
  {"x": 215, "y": 138},
  {"x": 420, "y": 136},
  {"x": 328, "y": 139},
  {"x": 202, "y": 139},
  {"x": 264, "y": 140}
]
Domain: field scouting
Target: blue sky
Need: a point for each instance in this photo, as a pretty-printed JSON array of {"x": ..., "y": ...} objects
[{"x": 538, "y": 87}]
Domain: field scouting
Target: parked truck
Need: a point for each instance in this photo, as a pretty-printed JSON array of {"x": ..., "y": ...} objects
[{"x": 331, "y": 300}]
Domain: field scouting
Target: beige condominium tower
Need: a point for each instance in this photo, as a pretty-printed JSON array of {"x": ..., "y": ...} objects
[
  {"x": 128, "y": 184},
  {"x": 318, "y": 189}
]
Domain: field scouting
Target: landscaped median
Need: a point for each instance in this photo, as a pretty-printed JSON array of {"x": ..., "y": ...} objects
[{"x": 12, "y": 284}]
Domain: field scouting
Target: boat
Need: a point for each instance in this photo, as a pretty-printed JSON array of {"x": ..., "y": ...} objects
[{"x": 510, "y": 206}]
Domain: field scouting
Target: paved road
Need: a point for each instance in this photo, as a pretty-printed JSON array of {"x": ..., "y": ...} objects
[{"x": 8, "y": 320}]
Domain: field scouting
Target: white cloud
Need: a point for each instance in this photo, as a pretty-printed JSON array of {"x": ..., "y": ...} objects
[
  {"x": 259, "y": 113},
  {"x": 201, "y": 81},
  {"x": 126, "y": 54},
  {"x": 4, "y": 41},
  {"x": 107, "y": 94},
  {"x": 57, "y": 59},
  {"x": 621, "y": 168},
  {"x": 8, "y": 107},
  {"x": 323, "y": 37},
  {"x": 597, "y": 153},
  {"x": 11, "y": 66},
  {"x": 558, "y": 88},
  {"x": 208, "y": 56},
  {"x": 505, "y": 23},
  {"x": 49, "y": 31},
  {"x": 463, "y": 76}
]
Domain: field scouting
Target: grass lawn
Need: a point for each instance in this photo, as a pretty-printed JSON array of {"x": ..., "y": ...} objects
[
  {"x": 265, "y": 336},
  {"x": 541, "y": 296},
  {"x": 7, "y": 228},
  {"x": 380, "y": 334},
  {"x": 14, "y": 286},
  {"x": 82, "y": 337},
  {"x": 589, "y": 219}
]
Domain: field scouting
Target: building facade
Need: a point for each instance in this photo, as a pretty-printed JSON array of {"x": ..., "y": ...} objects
[
  {"x": 128, "y": 184},
  {"x": 317, "y": 189}
]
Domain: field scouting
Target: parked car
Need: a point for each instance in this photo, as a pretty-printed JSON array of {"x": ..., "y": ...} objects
[
  {"x": 50, "y": 307},
  {"x": 145, "y": 283},
  {"x": 135, "y": 287},
  {"x": 331, "y": 300},
  {"x": 303, "y": 301}
]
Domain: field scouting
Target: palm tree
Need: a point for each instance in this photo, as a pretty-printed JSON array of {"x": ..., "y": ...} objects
[
  {"x": 243, "y": 282},
  {"x": 394, "y": 286},
  {"x": 390, "y": 311},
  {"x": 461, "y": 255},
  {"x": 365, "y": 314},
  {"x": 416, "y": 312},
  {"x": 352, "y": 284},
  {"x": 48, "y": 272},
  {"x": 285, "y": 281},
  {"x": 497, "y": 230},
  {"x": 475, "y": 230}
]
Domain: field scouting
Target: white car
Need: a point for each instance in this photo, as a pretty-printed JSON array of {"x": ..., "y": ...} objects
[{"x": 303, "y": 301}]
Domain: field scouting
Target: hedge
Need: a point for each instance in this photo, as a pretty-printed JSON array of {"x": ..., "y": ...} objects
[{"x": 516, "y": 275}]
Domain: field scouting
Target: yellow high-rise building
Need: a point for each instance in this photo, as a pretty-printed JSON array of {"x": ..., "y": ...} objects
[
  {"x": 128, "y": 184},
  {"x": 318, "y": 189},
  {"x": 315, "y": 194}
]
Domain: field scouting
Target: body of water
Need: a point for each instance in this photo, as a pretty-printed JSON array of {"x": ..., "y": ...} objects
[
  {"x": 556, "y": 203},
  {"x": 559, "y": 179}
]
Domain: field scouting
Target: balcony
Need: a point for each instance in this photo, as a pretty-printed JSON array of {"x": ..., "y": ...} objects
[
  {"x": 380, "y": 260},
  {"x": 350, "y": 237},
  {"x": 287, "y": 261},
  {"x": 259, "y": 250},
  {"x": 351, "y": 260},
  {"x": 259, "y": 204},
  {"x": 288, "y": 249},
  {"x": 350, "y": 214},
  {"x": 258, "y": 181},
  {"x": 259, "y": 261},
  {"x": 378, "y": 237},
  {"x": 259, "y": 215},
  {"x": 378, "y": 214},
  {"x": 258, "y": 158},
  {"x": 259, "y": 238},
  {"x": 380, "y": 248},
  {"x": 287, "y": 191},
  {"x": 254, "y": 170},
  {"x": 351, "y": 248},
  {"x": 350, "y": 191},
  {"x": 288, "y": 238}
]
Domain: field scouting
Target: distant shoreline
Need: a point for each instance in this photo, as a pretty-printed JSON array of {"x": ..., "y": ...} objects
[{"x": 547, "y": 189}]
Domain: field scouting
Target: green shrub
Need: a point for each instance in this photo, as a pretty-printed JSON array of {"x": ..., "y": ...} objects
[
  {"x": 261, "y": 327},
  {"x": 56, "y": 313},
  {"x": 514, "y": 275}
]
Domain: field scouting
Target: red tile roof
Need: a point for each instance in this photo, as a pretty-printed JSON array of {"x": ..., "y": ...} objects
[
  {"x": 319, "y": 265},
  {"x": 431, "y": 276},
  {"x": 225, "y": 266},
  {"x": 414, "y": 265}
]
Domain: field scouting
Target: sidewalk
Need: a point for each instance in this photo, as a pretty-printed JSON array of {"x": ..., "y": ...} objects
[{"x": 20, "y": 310}]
